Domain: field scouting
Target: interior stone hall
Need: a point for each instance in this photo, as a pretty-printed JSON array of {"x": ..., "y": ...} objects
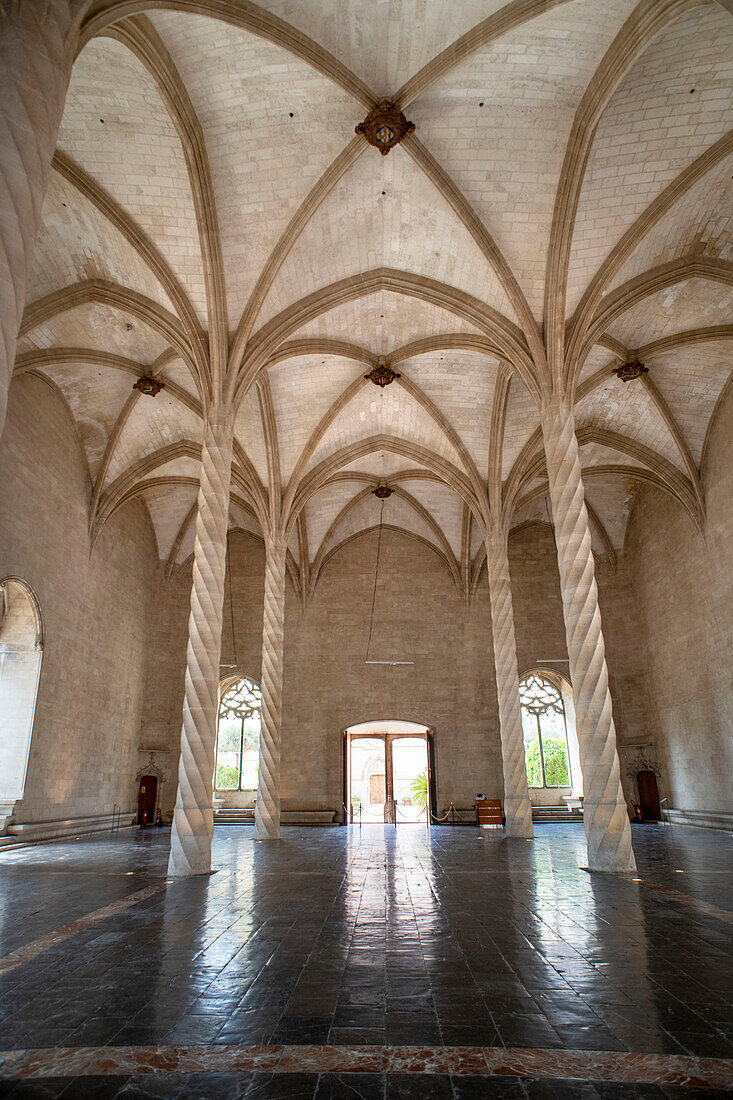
[{"x": 366, "y": 549}]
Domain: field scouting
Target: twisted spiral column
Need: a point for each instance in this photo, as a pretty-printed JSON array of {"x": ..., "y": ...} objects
[
  {"x": 267, "y": 813},
  {"x": 607, "y": 829},
  {"x": 193, "y": 816},
  {"x": 517, "y": 806},
  {"x": 37, "y": 44}
]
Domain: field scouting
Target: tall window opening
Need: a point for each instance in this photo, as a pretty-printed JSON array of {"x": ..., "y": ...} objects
[
  {"x": 238, "y": 739},
  {"x": 21, "y": 652},
  {"x": 545, "y": 733}
]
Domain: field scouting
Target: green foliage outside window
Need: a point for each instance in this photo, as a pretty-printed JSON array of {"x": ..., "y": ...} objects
[
  {"x": 227, "y": 777},
  {"x": 545, "y": 736},
  {"x": 419, "y": 790},
  {"x": 556, "y": 764},
  {"x": 534, "y": 767}
]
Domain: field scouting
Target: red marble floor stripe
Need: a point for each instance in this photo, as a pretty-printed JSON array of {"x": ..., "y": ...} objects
[
  {"x": 629, "y": 1068},
  {"x": 37, "y": 947},
  {"x": 706, "y": 907}
]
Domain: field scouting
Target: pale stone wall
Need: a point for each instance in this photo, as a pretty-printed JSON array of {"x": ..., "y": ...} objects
[
  {"x": 419, "y": 614},
  {"x": 684, "y": 589},
  {"x": 539, "y": 623},
  {"x": 96, "y": 610},
  {"x": 165, "y": 669},
  {"x": 116, "y": 632}
]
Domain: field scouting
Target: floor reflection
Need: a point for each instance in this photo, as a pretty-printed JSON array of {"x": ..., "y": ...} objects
[{"x": 376, "y": 935}]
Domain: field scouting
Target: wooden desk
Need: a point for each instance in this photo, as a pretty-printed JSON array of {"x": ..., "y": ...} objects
[{"x": 489, "y": 811}]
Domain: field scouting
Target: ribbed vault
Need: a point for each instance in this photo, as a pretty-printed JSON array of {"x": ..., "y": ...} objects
[{"x": 210, "y": 210}]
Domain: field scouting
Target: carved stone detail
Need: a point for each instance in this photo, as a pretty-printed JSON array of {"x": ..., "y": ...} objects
[
  {"x": 641, "y": 762},
  {"x": 631, "y": 370},
  {"x": 382, "y": 375},
  {"x": 383, "y": 492},
  {"x": 605, "y": 817},
  {"x": 193, "y": 816},
  {"x": 150, "y": 768},
  {"x": 385, "y": 126},
  {"x": 148, "y": 386},
  {"x": 517, "y": 805}
]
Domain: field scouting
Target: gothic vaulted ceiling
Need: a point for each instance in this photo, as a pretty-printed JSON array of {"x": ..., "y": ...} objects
[{"x": 207, "y": 165}]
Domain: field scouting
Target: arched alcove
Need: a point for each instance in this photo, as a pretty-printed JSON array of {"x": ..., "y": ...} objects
[
  {"x": 237, "y": 741},
  {"x": 552, "y": 753},
  {"x": 21, "y": 653}
]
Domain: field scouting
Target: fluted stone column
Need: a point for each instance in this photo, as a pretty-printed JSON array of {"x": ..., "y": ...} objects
[
  {"x": 37, "y": 43},
  {"x": 267, "y": 813},
  {"x": 607, "y": 829},
  {"x": 193, "y": 816},
  {"x": 517, "y": 806}
]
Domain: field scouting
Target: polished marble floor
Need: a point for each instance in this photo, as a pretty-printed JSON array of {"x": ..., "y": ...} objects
[{"x": 314, "y": 966}]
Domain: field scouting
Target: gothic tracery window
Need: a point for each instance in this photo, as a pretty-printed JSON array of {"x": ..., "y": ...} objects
[
  {"x": 545, "y": 733},
  {"x": 238, "y": 740}
]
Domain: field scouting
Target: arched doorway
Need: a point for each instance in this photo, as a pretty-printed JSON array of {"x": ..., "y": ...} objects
[
  {"x": 551, "y": 751},
  {"x": 238, "y": 739},
  {"x": 388, "y": 773},
  {"x": 21, "y": 653}
]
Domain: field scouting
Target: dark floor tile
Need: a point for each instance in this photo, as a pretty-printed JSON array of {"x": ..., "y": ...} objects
[
  {"x": 189, "y": 1031},
  {"x": 357, "y": 1036},
  {"x": 418, "y": 1086},
  {"x": 42, "y": 1088},
  {"x": 589, "y": 1038},
  {"x": 525, "y": 1031},
  {"x": 703, "y": 1045},
  {"x": 301, "y": 1029},
  {"x": 351, "y": 1086},
  {"x": 103, "y": 1088},
  {"x": 215, "y": 1086},
  {"x": 149, "y": 1086},
  {"x": 470, "y": 1035},
  {"x": 614, "y": 1090},
  {"x": 359, "y": 1016},
  {"x": 282, "y": 1086},
  {"x": 479, "y": 1088},
  {"x": 560, "y": 1090}
]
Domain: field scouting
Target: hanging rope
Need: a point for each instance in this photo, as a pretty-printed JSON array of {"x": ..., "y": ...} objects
[{"x": 376, "y": 578}]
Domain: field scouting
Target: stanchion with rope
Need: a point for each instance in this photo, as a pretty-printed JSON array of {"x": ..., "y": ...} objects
[
  {"x": 440, "y": 820},
  {"x": 410, "y": 820}
]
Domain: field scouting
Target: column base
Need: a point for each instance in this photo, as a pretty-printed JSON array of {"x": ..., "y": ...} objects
[
  {"x": 518, "y": 814},
  {"x": 608, "y": 838}
]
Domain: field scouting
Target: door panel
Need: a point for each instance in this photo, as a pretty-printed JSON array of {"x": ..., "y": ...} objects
[
  {"x": 146, "y": 800},
  {"x": 649, "y": 795}
]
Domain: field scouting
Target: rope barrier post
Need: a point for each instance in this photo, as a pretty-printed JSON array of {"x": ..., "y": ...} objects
[{"x": 452, "y": 816}]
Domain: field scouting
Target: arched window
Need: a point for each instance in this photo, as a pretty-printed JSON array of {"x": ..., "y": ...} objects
[
  {"x": 21, "y": 653},
  {"x": 238, "y": 740},
  {"x": 545, "y": 733}
]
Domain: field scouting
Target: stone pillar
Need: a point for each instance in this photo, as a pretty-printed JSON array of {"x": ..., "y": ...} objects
[
  {"x": 517, "y": 806},
  {"x": 267, "y": 813},
  {"x": 193, "y": 816},
  {"x": 38, "y": 40},
  {"x": 607, "y": 829}
]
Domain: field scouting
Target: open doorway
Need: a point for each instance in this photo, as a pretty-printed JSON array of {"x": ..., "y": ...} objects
[
  {"x": 21, "y": 653},
  {"x": 388, "y": 773}
]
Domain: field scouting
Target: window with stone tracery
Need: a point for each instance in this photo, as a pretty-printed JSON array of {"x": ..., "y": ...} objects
[
  {"x": 545, "y": 733},
  {"x": 238, "y": 737}
]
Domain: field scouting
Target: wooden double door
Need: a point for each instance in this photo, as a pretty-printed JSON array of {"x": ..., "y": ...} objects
[{"x": 388, "y": 777}]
